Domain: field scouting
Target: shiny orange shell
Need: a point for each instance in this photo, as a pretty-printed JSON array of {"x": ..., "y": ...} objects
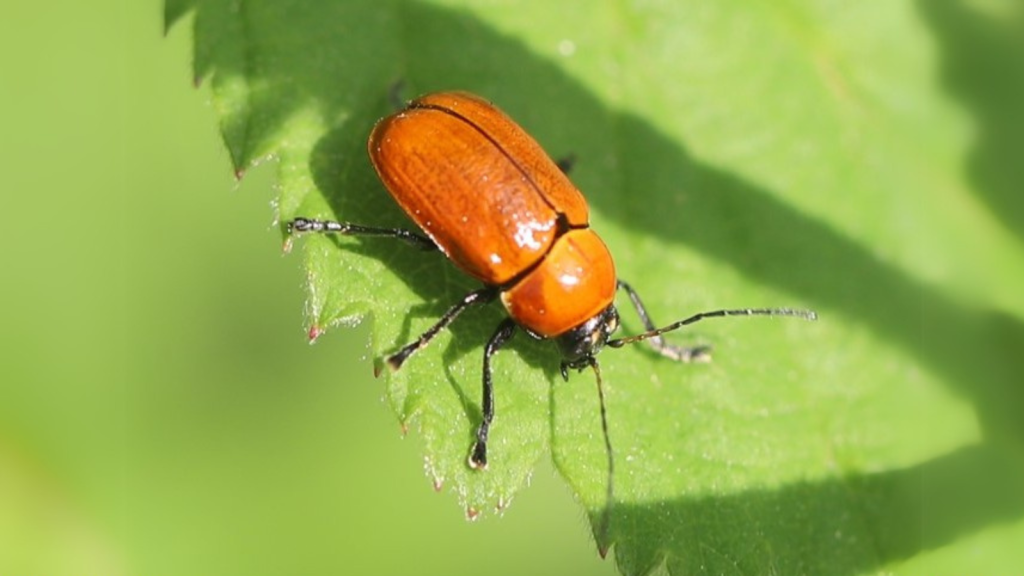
[
  {"x": 493, "y": 201},
  {"x": 574, "y": 283}
]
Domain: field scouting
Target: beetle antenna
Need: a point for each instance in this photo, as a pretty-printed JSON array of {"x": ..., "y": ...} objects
[
  {"x": 602, "y": 527},
  {"x": 805, "y": 314}
]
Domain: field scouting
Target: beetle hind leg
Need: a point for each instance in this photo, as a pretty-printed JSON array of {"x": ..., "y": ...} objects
[
  {"x": 481, "y": 296},
  {"x": 306, "y": 225}
]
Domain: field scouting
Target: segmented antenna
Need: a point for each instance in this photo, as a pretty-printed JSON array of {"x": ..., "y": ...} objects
[
  {"x": 602, "y": 528},
  {"x": 805, "y": 314}
]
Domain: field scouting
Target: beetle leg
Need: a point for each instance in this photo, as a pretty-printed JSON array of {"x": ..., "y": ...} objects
[
  {"x": 506, "y": 330},
  {"x": 302, "y": 225},
  {"x": 677, "y": 353},
  {"x": 395, "y": 95},
  {"x": 565, "y": 163},
  {"x": 481, "y": 296}
]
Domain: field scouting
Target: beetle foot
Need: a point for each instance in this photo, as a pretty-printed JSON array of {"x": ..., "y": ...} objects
[
  {"x": 396, "y": 360},
  {"x": 690, "y": 354},
  {"x": 478, "y": 457},
  {"x": 300, "y": 225}
]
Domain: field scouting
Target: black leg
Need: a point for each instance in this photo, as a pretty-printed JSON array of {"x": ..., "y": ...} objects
[
  {"x": 565, "y": 163},
  {"x": 677, "y": 353},
  {"x": 304, "y": 225},
  {"x": 481, "y": 296},
  {"x": 506, "y": 330},
  {"x": 395, "y": 95}
]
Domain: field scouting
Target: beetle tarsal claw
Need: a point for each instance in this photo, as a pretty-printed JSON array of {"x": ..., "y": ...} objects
[
  {"x": 396, "y": 360},
  {"x": 478, "y": 457}
]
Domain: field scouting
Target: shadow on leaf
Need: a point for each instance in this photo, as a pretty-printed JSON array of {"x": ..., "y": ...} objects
[
  {"x": 983, "y": 67},
  {"x": 818, "y": 527}
]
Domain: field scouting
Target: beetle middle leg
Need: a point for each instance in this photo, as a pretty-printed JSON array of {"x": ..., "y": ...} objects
[
  {"x": 481, "y": 296},
  {"x": 506, "y": 330},
  {"x": 304, "y": 225},
  {"x": 658, "y": 343}
]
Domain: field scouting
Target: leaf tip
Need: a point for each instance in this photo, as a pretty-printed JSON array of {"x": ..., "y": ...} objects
[
  {"x": 503, "y": 504},
  {"x": 472, "y": 514},
  {"x": 437, "y": 480},
  {"x": 314, "y": 332},
  {"x": 601, "y": 536}
]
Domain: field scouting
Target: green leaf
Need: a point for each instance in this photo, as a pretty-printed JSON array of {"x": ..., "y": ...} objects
[
  {"x": 789, "y": 153},
  {"x": 175, "y": 10}
]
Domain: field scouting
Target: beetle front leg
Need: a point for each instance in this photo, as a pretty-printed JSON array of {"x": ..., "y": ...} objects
[
  {"x": 506, "y": 330},
  {"x": 677, "y": 353}
]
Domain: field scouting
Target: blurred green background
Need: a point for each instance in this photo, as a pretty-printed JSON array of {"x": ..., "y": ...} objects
[{"x": 160, "y": 409}]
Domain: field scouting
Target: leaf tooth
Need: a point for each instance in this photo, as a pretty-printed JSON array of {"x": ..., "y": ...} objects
[
  {"x": 437, "y": 479},
  {"x": 503, "y": 503}
]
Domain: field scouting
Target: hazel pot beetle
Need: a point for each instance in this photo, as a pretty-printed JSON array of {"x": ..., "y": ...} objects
[{"x": 485, "y": 194}]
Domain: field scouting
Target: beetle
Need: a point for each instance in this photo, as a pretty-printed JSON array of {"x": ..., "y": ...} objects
[{"x": 484, "y": 193}]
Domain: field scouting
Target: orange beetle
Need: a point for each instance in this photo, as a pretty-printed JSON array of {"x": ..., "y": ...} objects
[{"x": 487, "y": 196}]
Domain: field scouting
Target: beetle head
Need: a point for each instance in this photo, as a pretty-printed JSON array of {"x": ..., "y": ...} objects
[{"x": 580, "y": 344}]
